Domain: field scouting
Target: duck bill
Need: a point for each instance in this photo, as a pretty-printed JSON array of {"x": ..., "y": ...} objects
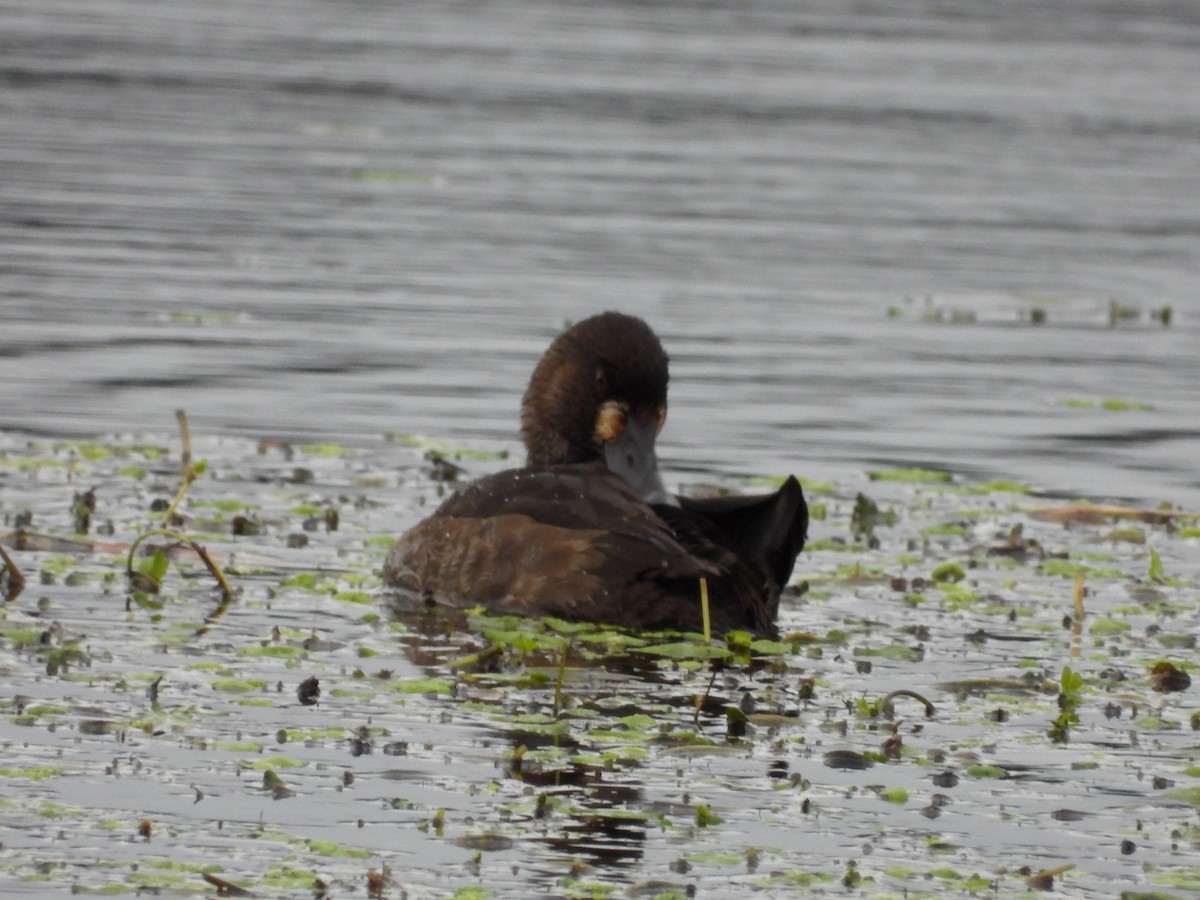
[{"x": 632, "y": 457}]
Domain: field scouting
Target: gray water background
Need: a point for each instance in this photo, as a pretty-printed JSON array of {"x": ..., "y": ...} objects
[{"x": 398, "y": 205}]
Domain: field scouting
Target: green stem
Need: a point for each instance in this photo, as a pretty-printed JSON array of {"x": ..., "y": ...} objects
[{"x": 209, "y": 563}]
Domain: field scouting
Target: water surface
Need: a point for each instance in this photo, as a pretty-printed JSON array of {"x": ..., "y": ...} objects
[{"x": 398, "y": 205}]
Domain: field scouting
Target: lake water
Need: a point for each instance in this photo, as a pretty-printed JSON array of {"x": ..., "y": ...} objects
[
  {"x": 937, "y": 234},
  {"x": 343, "y": 219}
]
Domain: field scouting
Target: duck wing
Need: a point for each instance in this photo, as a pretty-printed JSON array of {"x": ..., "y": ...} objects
[
  {"x": 571, "y": 541},
  {"x": 767, "y": 531}
]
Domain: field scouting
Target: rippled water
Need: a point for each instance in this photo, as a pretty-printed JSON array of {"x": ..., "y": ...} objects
[
  {"x": 397, "y": 205},
  {"x": 335, "y": 220}
]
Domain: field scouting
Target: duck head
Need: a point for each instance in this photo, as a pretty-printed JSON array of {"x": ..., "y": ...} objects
[{"x": 600, "y": 394}]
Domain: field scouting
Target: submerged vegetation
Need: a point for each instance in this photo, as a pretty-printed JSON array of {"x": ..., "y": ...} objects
[{"x": 973, "y": 691}]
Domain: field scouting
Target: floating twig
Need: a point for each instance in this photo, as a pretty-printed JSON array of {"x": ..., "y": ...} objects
[
  {"x": 225, "y": 888},
  {"x": 1044, "y": 879},
  {"x": 16, "y": 581},
  {"x": 704, "y": 609},
  {"x": 185, "y": 439},
  {"x": 1093, "y": 514},
  {"x": 885, "y": 705}
]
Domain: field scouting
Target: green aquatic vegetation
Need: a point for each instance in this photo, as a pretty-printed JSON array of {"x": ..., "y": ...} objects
[
  {"x": 983, "y": 770},
  {"x": 228, "y": 505},
  {"x": 312, "y": 582},
  {"x": 311, "y": 509},
  {"x": 949, "y": 529},
  {"x": 811, "y": 486},
  {"x": 774, "y": 482},
  {"x": 911, "y": 475},
  {"x": 1111, "y": 404},
  {"x": 333, "y": 848},
  {"x": 146, "y": 879},
  {"x": 329, "y": 450},
  {"x": 361, "y": 597},
  {"x": 239, "y": 685},
  {"x": 1128, "y": 534},
  {"x": 270, "y": 763},
  {"x": 59, "y": 659},
  {"x": 948, "y": 571},
  {"x": 998, "y": 487},
  {"x": 1116, "y": 404},
  {"x": 794, "y": 879},
  {"x": 833, "y": 545},
  {"x": 684, "y": 650},
  {"x": 22, "y": 638},
  {"x": 766, "y": 647},
  {"x": 1108, "y": 627},
  {"x": 1189, "y": 795},
  {"x": 288, "y": 878},
  {"x": 213, "y": 666},
  {"x": 1070, "y": 698},
  {"x": 611, "y": 643},
  {"x": 45, "y": 710},
  {"x": 473, "y": 892},
  {"x": 238, "y": 746},
  {"x": 393, "y": 177},
  {"x": 30, "y": 773},
  {"x": 29, "y": 463},
  {"x": 855, "y": 571},
  {"x": 577, "y": 889},
  {"x": 867, "y": 516},
  {"x": 152, "y": 570},
  {"x": 705, "y": 817},
  {"x": 299, "y": 735},
  {"x": 896, "y": 652},
  {"x": 271, "y": 651},
  {"x": 1185, "y": 878},
  {"x": 1067, "y": 568},
  {"x": 430, "y": 686},
  {"x": 1157, "y": 573},
  {"x": 957, "y": 596},
  {"x": 718, "y": 858},
  {"x": 1156, "y": 723},
  {"x": 58, "y": 566}
]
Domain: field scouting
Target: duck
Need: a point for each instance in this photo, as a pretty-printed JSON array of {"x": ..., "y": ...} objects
[{"x": 586, "y": 530}]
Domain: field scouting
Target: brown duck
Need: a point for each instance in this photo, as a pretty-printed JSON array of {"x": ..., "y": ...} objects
[{"x": 586, "y": 530}]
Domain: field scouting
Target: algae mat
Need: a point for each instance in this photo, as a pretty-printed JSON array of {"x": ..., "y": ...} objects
[{"x": 973, "y": 693}]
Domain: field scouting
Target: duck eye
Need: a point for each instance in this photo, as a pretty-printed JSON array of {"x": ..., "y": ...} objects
[{"x": 601, "y": 378}]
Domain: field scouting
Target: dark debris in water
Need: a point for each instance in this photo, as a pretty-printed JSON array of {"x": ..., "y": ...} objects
[{"x": 975, "y": 693}]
